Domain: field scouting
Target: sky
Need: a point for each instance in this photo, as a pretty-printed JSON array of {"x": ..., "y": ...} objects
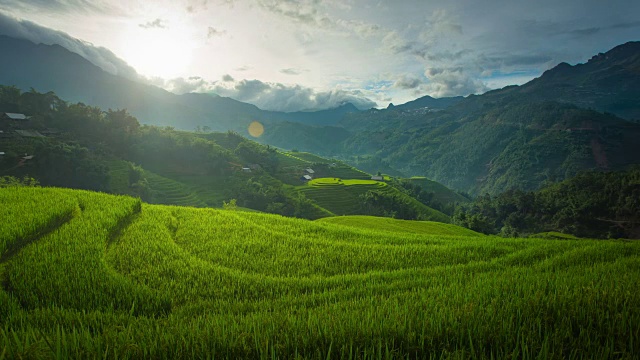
[{"x": 302, "y": 55}]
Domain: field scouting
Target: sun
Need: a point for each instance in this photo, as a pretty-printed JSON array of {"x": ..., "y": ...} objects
[{"x": 163, "y": 52}]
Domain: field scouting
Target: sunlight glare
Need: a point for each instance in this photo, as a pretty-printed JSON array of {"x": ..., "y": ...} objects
[
  {"x": 256, "y": 129},
  {"x": 163, "y": 52}
]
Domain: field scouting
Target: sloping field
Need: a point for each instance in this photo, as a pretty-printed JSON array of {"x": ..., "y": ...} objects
[
  {"x": 399, "y": 225},
  {"x": 98, "y": 275},
  {"x": 171, "y": 192},
  {"x": 441, "y": 192},
  {"x": 341, "y": 197}
]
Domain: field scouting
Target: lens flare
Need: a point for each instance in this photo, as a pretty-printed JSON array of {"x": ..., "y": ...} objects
[{"x": 256, "y": 129}]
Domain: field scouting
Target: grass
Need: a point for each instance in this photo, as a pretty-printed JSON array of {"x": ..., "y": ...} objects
[
  {"x": 121, "y": 279},
  {"x": 341, "y": 196},
  {"x": 398, "y": 225},
  {"x": 171, "y": 192}
]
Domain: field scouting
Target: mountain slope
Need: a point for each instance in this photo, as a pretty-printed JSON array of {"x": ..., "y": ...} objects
[
  {"x": 519, "y": 136},
  {"x": 53, "y": 68},
  {"x": 429, "y": 102}
]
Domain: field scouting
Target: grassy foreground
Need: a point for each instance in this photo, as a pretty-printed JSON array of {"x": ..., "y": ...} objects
[{"x": 88, "y": 275}]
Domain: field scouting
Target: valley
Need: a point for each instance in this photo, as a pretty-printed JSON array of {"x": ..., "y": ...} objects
[{"x": 267, "y": 196}]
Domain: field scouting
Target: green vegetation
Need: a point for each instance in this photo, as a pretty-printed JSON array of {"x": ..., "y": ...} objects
[
  {"x": 367, "y": 197},
  {"x": 592, "y": 204},
  {"x": 486, "y": 145},
  {"x": 398, "y": 225},
  {"x": 105, "y": 276}
]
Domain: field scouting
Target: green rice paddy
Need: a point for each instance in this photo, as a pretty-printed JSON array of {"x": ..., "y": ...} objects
[{"x": 90, "y": 275}]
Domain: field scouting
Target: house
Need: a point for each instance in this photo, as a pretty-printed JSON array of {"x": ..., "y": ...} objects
[
  {"x": 2, "y": 153},
  {"x": 377, "y": 177},
  {"x": 11, "y": 120},
  {"x": 309, "y": 171},
  {"x": 246, "y": 169},
  {"x": 13, "y": 116},
  {"x": 305, "y": 178}
]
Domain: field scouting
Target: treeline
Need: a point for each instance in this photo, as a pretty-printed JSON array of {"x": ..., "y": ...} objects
[{"x": 591, "y": 204}]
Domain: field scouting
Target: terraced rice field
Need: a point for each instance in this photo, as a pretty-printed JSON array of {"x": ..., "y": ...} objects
[
  {"x": 88, "y": 275},
  {"x": 170, "y": 192},
  {"x": 341, "y": 197}
]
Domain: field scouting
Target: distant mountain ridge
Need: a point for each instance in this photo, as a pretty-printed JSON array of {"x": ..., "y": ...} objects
[
  {"x": 54, "y": 68},
  {"x": 608, "y": 82},
  {"x": 430, "y": 102},
  {"x": 570, "y": 119}
]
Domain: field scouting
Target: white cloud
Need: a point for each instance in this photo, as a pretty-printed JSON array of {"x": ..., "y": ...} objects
[
  {"x": 269, "y": 96},
  {"x": 99, "y": 56},
  {"x": 452, "y": 81},
  {"x": 157, "y": 23}
]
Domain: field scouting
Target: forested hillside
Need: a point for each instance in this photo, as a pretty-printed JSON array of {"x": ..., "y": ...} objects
[
  {"x": 592, "y": 204},
  {"x": 74, "y": 145}
]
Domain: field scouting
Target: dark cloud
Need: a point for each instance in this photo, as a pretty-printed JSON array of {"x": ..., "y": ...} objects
[
  {"x": 452, "y": 81},
  {"x": 99, "y": 56},
  {"x": 227, "y": 78},
  {"x": 213, "y": 32},
  {"x": 407, "y": 82},
  {"x": 155, "y": 24},
  {"x": 586, "y": 32},
  {"x": 507, "y": 60},
  {"x": 291, "y": 71}
]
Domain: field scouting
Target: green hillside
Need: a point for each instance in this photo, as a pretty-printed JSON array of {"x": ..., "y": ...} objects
[
  {"x": 88, "y": 275},
  {"x": 342, "y": 197},
  {"x": 399, "y": 225},
  {"x": 441, "y": 192}
]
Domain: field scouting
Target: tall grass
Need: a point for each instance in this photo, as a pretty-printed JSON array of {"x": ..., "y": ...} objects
[{"x": 125, "y": 280}]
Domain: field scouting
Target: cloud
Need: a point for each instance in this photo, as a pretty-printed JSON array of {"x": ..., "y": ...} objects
[
  {"x": 280, "y": 97},
  {"x": 507, "y": 60},
  {"x": 451, "y": 81},
  {"x": 586, "y": 32},
  {"x": 408, "y": 82},
  {"x": 61, "y": 6},
  {"x": 227, "y": 78},
  {"x": 314, "y": 13},
  {"x": 243, "y": 68},
  {"x": 436, "y": 33},
  {"x": 213, "y": 32},
  {"x": 99, "y": 56},
  {"x": 301, "y": 11},
  {"x": 290, "y": 71},
  {"x": 182, "y": 85},
  {"x": 194, "y": 6},
  {"x": 155, "y": 24},
  {"x": 269, "y": 96}
]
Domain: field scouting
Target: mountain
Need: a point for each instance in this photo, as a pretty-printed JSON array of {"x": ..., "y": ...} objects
[
  {"x": 54, "y": 68},
  {"x": 608, "y": 82},
  {"x": 429, "y": 102},
  {"x": 572, "y": 118}
]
